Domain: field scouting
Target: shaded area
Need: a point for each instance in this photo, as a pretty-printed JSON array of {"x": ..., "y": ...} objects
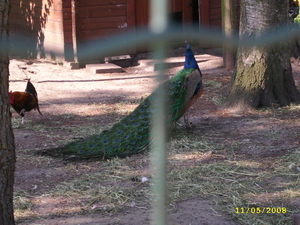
[
  {"x": 28, "y": 19},
  {"x": 227, "y": 160}
]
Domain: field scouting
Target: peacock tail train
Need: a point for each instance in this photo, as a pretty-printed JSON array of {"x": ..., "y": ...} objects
[{"x": 131, "y": 134}]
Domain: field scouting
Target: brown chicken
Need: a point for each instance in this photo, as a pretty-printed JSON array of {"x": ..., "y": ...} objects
[{"x": 24, "y": 101}]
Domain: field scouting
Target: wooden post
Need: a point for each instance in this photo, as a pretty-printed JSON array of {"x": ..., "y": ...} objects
[
  {"x": 74, "y": 33},
  {"x": 131, "y": 24},
  {"x": 229, "y": 27}
]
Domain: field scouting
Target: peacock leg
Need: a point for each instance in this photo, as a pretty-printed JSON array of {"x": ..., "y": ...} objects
[
  {"x": 22, "y": 113},
  {"x": 186, "y": 118}
]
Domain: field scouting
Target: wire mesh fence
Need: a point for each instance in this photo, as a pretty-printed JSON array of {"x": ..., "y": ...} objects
[{"x": 158, "y": 35}]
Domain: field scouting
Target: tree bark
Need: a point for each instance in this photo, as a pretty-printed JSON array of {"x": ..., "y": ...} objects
[
  {"x": 7, "y": 147},
  {"x": 264, "y": 74}
]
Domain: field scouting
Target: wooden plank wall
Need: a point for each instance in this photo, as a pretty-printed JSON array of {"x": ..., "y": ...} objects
[
  {"x": 101, "y": 19},
  {"x": 143, "y": 11},
  {"x": 97, "y": 19},
  {"x": 67, "y": 30},
  {"x": 211, "y": 15},
  {"x": 215, "y": 16},
  {"x": 187, "y": 12},
  {"x": 45, "y": 26},
  {"x": 38, "y": 24},
  {"x": 183, "y": 18}
]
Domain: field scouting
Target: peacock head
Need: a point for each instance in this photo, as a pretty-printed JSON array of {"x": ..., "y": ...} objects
[{"x": 190, "y": 61}]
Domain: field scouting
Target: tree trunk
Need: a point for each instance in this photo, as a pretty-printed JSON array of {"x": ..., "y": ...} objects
[
  {"x": 7, "y": 148},
  {"x": 229, "y": 26},
  {"x": 264, "y": 74}
]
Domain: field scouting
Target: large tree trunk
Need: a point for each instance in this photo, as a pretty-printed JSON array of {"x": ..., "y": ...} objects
[
  {"x": 7, "y": 148},
  {"x": 264, "y": 75}
]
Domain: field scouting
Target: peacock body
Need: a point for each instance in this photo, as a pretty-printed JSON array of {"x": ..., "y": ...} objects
[{"x": 131, "y": 134}]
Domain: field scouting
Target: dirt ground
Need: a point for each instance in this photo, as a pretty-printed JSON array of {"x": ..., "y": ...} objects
[{"x": 71, "y": 99}]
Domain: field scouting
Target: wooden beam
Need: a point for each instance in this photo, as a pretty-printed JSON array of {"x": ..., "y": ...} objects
[
  {"x": 131, "y": 22},
  {"x": 204, "y": 13},
  {"x": 229, "y": 27},
  {"x": 74, "y": 28}
]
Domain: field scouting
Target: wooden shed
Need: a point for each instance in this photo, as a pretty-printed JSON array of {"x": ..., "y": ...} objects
[{"x": 56, "y": 28}]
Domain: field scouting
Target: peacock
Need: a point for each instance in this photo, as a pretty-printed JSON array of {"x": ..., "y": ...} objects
[{"x": 131, "y": 134}]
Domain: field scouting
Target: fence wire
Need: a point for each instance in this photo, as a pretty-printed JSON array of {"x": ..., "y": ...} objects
[{"x": 158, "y": 24}]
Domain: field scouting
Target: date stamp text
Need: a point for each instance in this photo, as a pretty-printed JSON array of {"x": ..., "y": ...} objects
[{"x": 260, "y": 210}]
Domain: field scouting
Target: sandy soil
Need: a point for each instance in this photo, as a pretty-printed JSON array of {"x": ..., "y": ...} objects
[{"x": 70, "y": 98}]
